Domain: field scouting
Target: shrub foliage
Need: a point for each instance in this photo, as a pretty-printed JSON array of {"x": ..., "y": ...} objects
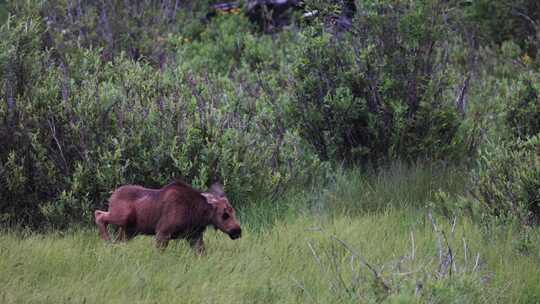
[
  {"x": 96, "y": 94},
  {"x": 508, "y": 181}
]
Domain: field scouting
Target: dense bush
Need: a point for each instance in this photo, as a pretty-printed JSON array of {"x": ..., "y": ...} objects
[
  {"x": 96, "y": 94},
  {"x": 139, "y": 29},
  {"x": 77, "y": 125},
  {"x": 504, "y": 20},
  {"x": 382, "y": 90},
  {"x": 508, "y": 181},
  {"x": 523, "y": 110}
]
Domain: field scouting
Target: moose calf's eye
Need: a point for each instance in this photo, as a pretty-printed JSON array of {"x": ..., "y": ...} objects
[{"x": 225, "y": 216}]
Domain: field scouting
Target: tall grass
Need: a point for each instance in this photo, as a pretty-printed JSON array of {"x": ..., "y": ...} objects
[
  {"x": 360, "y": 238},
  {"x": 397, "y": 185},
  {"x": 358, "y": 191},
  {"x": 309, "y": 260}
]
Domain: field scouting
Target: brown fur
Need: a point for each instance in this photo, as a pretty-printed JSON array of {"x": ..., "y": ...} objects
[{"x": 174, "y": 211}]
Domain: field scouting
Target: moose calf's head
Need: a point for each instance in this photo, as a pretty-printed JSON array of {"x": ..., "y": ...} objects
[{"x": 224, "y": 215}]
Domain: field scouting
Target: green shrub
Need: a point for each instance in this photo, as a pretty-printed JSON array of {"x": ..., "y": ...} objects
[
  {"x": 507, "y": 181},
  {"x": 82, "y": 125},
  {"x": 99, "y": 94},
  {"x": 505, "y": 114},
  {"x": 379, "y": 91},
  {"x": 503, "y": 20},
  {"x": 523, "y": 110},
  {"x": 127, "y": 123}
]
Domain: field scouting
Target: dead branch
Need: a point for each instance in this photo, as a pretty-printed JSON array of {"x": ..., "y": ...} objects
[
  {"x": 376, "y": 274},
  {"x": 53, "y": 132},
  {"x": 461, "y": 100}
]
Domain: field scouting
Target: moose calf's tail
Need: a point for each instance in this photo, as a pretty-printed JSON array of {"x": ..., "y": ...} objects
[{"x": 98, "y": 215}]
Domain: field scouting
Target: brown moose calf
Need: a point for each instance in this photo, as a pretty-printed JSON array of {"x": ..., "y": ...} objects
[{"x": 174, "y": 211}]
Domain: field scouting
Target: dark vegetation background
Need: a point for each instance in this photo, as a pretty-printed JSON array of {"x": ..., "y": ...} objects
[{"x": 96, "y": 94}]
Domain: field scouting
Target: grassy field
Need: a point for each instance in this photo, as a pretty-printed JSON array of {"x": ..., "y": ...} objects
[{"x": 396, "y": 253}]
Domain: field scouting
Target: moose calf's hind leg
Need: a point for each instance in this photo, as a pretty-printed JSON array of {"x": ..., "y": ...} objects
[
  {"x": 162, "y": 241},
  {"x": 101, "y": 222}
]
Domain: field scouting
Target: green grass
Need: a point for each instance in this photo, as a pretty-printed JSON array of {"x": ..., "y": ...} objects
[
  {"x": 294, "y": 251},
  {"x": 300, "y": 261}
]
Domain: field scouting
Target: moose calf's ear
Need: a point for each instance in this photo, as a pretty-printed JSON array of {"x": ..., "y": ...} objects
[
  {"x": 217, "y": 190},
  {"x": 210, "y": 198}
]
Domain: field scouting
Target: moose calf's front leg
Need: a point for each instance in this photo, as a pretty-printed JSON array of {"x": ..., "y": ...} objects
[
  {"x": 197, "y": 244},
  {"x": 122, "y": 234}
]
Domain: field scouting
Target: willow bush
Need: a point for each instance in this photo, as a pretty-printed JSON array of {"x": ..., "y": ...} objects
[
  {"x": 383, "y": 90},
  {"x": 81, "y": 125},
  {"x": 96, "y": 94}
]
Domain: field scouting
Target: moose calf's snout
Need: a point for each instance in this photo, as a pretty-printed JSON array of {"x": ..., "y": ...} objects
[{"x": 235, "y": 233}]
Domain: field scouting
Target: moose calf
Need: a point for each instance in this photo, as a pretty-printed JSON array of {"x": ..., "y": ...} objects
[{"x": 174, "y": 211}]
